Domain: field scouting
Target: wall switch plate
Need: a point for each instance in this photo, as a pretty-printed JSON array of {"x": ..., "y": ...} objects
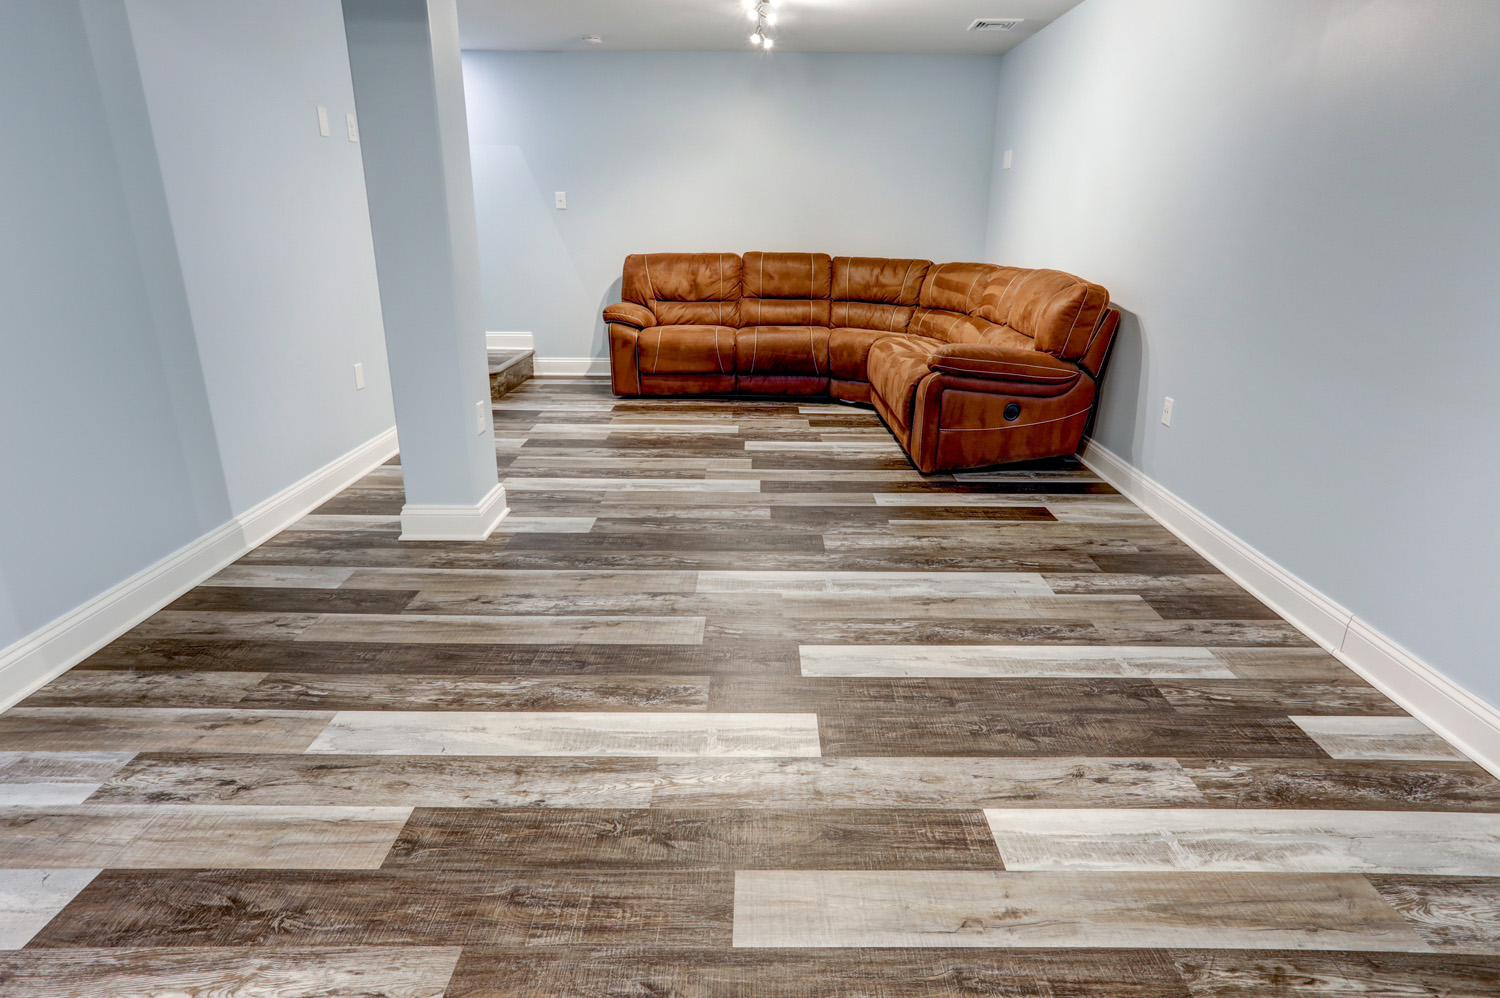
[
  {"x": 482, "y": 414},
  {"x": 1005, "y": 161},
  {"x": 359, "y": 377},
  {"x": 562, "y": 200},
  {"x": 353, "y": 127},
  {"x": 1166, "y": 412},
  {"x": 323, "y": 121}
]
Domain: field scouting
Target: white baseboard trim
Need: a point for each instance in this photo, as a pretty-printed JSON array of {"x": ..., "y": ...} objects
[
  {"x": 1472, "y": 725},
  {"x": 51, "y": 650},
  {"x": 455, "y": 523},
  {"x": 509, "y": 341},
  {"x": 571, "y": 367}
]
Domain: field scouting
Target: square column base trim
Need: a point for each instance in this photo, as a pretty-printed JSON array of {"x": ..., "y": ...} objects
[{"x": 455, "y": 523}]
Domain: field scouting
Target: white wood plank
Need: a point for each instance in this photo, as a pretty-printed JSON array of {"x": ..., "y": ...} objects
[
  {"x": 1249, "y": 840},
  {"x": 569, "y": 733}
]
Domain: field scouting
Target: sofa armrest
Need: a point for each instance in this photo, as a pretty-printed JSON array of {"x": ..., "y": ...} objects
[
  {"x": 1004, "y": 364},
  {"x": 630, "y": 314}
]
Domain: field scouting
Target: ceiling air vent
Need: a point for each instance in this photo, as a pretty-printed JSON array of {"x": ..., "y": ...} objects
[{"x": 996, "y": 24}]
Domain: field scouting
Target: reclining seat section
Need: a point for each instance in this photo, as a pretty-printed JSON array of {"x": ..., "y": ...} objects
[
  {"x": 969, "y": 364},
  {"x": 674, "y": 334},
  {"x": 782, "y": 346},
  {"x": 1014, "y": 382}
]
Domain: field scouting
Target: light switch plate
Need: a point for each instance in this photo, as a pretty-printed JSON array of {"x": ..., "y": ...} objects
[
  {"x": 353, "y": 127},
  {"x": 482, "y": 415},
  {"x": 562, "y": 200},
  {"x": 1005, "y": 163},
  {"x": 359, "y": 377},
  {"x": 1166, "y": 411},
  {"x": 323, "y": 122}
]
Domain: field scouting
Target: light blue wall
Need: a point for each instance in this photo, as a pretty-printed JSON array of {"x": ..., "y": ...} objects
[
  {"x": 186, "y": 278},
  {"x": 1297, "y": 203},
  {"x": 872, "y": 155},
  {"x": 272, "y": 227},
  {"x": 102, "y": 454}
]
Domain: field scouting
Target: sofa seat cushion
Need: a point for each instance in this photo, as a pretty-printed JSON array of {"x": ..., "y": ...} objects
[
  {"x": 686, "y": 350},
  {"x": 897, "y": 365},
  {"x": 799, "y": 350},
  {"x": 849, "y": 351}
]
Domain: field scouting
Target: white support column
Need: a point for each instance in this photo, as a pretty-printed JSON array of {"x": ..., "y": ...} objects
[{"x": 408, "y": 88}]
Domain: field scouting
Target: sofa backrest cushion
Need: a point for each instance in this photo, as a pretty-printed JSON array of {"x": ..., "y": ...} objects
[
  {"x": 876, "y": 293},
  {"x": 786, "y": 289},
  {"x": 1058, "y": 311},
  {"x": 686, "y": 289},
  {"x": 947, "y": 306}
]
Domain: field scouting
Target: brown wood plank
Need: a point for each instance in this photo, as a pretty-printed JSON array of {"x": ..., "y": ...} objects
[{"x": 687, "y": 839}]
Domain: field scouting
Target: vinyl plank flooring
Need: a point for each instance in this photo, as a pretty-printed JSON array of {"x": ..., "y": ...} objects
[
  {"x": 163, "y": 835},
  {"x": 241, "y": 972},
  {"x": 509, "y": 582},
  {"x": 45, "y": 779},
  {"x": 1376, "y": 738},
  {"x": 1010, "y": 661},
  {"x": 1085, "y": 608},
  {"x": 380, "y": 691},
  {"x": 144, "y": 729},
  {"x": 1251, "y": 841},
  {"x": 437, "y": 781},
  {"x": 513, "y": 733},
  {"x": 1453, "y": 914},
  {"x": 29, "y": 899},
  {"x": 685, "y": 839},
  {"x": 116, "y": 688},
  {"x": 485, "y": 972},
  {"x": 887, "y": 585},
  {"x": 443, "y": 629},
  {"x": 735, "y": 638},
  {"x": 981, "y": 909},
  {"x": 1282, "y": 974},
  {"x": 1348, "y": 695},
  {"x": 1360, "y": 784},
  {"x": 278, "y": 576},
  {"x": 273, "y": 908}
]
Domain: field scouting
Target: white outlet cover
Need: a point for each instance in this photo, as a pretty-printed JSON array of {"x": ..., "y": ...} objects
[
  {"x": 323, "y": 122},
  {"x": 1166, "y": 411},
  {"x": 353, "y": 127},
  {"x": 1005, "y": 164},
  {"x": 482, "y": 414},
  {"x": 359, "y": 377}
]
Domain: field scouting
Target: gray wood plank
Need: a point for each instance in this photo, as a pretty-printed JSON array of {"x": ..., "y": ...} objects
[
  {"x": 1262, "y": 840},
  {"x": 802, "y": 908}
]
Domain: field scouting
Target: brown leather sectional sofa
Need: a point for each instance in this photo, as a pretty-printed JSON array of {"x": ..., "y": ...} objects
[{"x": 969, "y": 364}]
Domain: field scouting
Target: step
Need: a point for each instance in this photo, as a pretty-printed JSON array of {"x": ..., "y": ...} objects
[{"x": 509, "y": 369}]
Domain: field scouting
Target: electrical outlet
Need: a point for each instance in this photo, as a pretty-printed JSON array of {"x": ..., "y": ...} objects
[
  {"x": 1166, "y": 412},
  {"x": 1005, "y": 162},
  {"x": 482, "y": 415},
  {"x": 353, "y": 127},
  {"x": 323, "y": 121},
  {"x": 359, "y": 377},
  {"x": 562, "y": 200}
]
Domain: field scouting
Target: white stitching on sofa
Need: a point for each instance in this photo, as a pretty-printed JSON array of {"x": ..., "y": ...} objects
[
  {"x": 1083, "y": 303},
  {"x": 1012, "y": 426}
]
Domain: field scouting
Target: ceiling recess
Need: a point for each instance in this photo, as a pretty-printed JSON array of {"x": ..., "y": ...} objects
[{"x": 996, "y": 24}]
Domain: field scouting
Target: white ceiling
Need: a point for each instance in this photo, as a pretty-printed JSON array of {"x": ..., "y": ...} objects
[{"x": 924, "y": 26}]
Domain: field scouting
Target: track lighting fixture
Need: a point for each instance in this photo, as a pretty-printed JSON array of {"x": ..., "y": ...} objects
[{"x": 763, "y": 13}]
